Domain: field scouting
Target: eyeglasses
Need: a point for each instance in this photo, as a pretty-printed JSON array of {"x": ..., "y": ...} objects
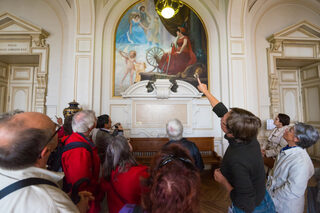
[{"x": 58, "y": 127}]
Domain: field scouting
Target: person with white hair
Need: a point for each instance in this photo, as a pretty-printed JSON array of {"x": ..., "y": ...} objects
[
  {"x": 81, "y": 164},
  {"x": 174, "y": 131}
]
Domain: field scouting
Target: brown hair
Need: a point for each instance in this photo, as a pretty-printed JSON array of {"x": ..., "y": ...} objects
[
  {"x": 284, "y": 119},
  {"x": 174, "y": 182},
  {"x": 243, "y": 125}
]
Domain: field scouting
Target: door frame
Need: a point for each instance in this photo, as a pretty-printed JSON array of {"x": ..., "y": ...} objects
[{"x": 19, "y": 37}]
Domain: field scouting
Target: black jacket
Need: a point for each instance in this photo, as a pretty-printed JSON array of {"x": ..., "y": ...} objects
[
  {"x": 242, "y": 165},
  {"x": 193, "y": 149}
]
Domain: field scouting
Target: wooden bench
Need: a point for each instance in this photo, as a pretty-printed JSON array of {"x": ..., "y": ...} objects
[{"x": 145, "y": 148}]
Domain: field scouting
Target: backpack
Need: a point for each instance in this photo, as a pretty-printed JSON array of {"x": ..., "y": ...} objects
[{"x": 54, "y": 162}]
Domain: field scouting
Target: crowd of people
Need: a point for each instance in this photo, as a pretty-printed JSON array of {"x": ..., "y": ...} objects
[{"x": 98, "y": 172}]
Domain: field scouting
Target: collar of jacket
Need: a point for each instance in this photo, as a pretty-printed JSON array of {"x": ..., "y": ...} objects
[
  {"x": 84, "y": 137},
  {"x": 181, "y": 140},
  {"x": 234, "y": 142},
  {"x": 290, "y": 150}
]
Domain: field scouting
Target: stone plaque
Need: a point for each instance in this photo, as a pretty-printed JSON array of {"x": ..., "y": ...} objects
[{"x": 14, "y": 47}]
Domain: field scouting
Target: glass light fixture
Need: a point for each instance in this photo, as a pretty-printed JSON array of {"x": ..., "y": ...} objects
[
  {"x": 168, "y": 8},
  {"x": 167, "y": 12}
]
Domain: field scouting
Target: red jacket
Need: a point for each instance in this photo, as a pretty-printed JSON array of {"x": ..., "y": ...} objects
[
  {"x": 127, "y": 184},
  {"x": 77, "y": 163}
]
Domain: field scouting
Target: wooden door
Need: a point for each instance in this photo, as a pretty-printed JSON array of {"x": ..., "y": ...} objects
[
  {"x": 289, "y": 91},
  {"x": 20, "y": 88},
  {"x": 310, "y": 90}
]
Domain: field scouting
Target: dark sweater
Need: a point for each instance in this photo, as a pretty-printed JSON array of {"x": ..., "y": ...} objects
[{"x": 242, "y": 165}]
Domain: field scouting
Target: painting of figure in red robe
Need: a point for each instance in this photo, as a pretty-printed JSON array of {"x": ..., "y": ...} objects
[{"x": 149, "y": 47}]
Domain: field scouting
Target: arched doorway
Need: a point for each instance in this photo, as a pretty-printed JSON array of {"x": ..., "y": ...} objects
[
  {"x": 23, "y": 65},
  {"x": 294, "y": 75}
]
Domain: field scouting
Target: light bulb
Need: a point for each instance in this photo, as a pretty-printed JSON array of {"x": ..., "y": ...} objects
[{"x": 167, "y": 12}]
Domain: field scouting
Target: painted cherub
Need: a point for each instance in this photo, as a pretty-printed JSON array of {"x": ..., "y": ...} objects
[
  {"x": 130, "y": 59},
  {"x": 139, "y": 67}
]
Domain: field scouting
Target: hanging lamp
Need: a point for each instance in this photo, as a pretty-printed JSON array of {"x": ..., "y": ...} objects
[{"x": 168, "y": 8}]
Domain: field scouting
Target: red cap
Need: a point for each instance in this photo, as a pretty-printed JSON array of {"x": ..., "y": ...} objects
[{"x": 183, "y": 30}]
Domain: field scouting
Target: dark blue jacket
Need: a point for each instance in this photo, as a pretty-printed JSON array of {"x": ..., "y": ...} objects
[{"x": 193, "y": 149}]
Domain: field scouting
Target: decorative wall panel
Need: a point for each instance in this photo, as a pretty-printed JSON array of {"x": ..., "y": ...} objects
[
  {"x": 84, "y": 21},
  {"x": 289, "y": 102},
  {"x": 238, "y": 81},
  {"x": 312, "y": 104},
  {"x": 84, "y": 45},
  {"x": 237, "y": 47},
  {"x": 290, "y": 76},
  {"x": 82, "y": 79},
  {"x": 21, "y": 98},
  {"x": 121, "y": 113},
  {"x": 22, "y": 74},
  {"x": 237, "y": 18},
  {"x": 299, "y": 51},
  {"x": 203, "y": 111},
  {"x": 156, "y": 114},
  {"x": 310, "y": 74}
]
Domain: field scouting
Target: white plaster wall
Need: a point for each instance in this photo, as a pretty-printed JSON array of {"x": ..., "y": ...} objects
[
  {"x": 213, "y": 15},
  {"x": 266, "y": 19},
  {"x": 55, "y": 18},
  {"x": 249, "y": 30}
]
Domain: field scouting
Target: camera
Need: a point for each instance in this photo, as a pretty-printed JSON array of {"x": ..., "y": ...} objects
[{"x": 117, "y": 125}]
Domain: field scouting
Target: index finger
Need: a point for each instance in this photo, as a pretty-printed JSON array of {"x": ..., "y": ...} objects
[
  {"x": 199, "y": 81},
  {"x": 85, "y": 192}
]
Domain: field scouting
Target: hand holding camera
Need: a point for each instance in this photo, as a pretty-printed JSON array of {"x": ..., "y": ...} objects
[{"x": 118, "y": 126}]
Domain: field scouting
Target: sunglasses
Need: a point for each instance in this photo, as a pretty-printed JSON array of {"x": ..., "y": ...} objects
[{"x": 169, "y": 158}]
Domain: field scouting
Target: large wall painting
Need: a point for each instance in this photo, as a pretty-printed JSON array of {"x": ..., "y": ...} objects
[{"x": 148, "y": 47}]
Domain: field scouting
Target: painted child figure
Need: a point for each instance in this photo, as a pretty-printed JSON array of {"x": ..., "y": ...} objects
[
  {"x": 139, "y": 67},
  {"x": 130, "y": 62}
]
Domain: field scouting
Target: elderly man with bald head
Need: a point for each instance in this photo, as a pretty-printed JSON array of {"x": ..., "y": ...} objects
[{"x": 26, "y": 141}]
